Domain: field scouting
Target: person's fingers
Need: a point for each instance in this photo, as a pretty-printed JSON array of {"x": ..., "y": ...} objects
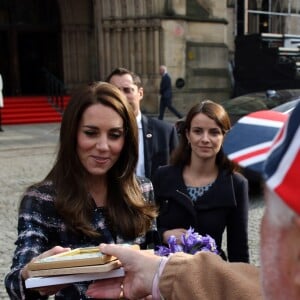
[
  {"x": 118, "y": 251},
  {"x": 125, "y": 254},
  {"x": 56, "y": 250},
  {"x": 53, "y": 251},
  {"x": 111, "y": 249},
  {"x": 106, "y": 288},
  {"x": 51, "y": 290},
  {"x": 139, "y": 265}
]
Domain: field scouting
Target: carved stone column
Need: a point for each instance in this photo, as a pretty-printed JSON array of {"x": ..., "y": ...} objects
[
  {"x": 125, "y": 44},
  {"x": 138, "y": 58},
  {"x": 101, "y": 57},
  {"x": 144, "y": 46},
  {"x": 131, "y": 38},
  {"x": 118, "y": 44},
  {"x": 156, "y": 42},
  {"x": 76, "y": 46},
  {"x": 107, "y": 48}
]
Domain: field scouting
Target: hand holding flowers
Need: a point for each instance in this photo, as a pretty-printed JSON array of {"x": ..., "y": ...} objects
[{"x": 191, "y": 242}]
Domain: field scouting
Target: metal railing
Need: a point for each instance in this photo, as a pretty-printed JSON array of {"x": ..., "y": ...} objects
[{"x": 56, "y": 90}]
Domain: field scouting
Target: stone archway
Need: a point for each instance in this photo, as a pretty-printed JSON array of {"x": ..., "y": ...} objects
[{"x": 29, "y": 37}]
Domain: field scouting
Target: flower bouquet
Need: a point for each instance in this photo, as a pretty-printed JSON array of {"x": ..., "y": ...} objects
[{"x": 191, "y": 242}]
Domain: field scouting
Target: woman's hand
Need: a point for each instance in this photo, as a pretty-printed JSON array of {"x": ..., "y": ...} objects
[
  {"x": 140, "y": 267},
  {"x": 177, "y": 232},
  {"x": 51, "y": 289}
]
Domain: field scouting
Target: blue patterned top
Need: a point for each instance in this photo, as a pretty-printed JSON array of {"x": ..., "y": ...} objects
[
  {"x": 40, "y": 228},
  {"x": 196, "y": 192}
]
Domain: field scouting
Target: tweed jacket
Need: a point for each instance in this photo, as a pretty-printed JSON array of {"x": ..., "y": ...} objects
[
  {"x": 40, "y": 228},
  {"x": 223, "y": 206},
  {"x": 160, "y": 138},
  {"x": 206, "y": 276}
]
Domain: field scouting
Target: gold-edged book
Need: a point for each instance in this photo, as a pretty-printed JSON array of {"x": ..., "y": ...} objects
[
  {"x": 100, "y": 268},
  {"x": 74, "y": 258},
  {"x": 79, "y": 257},
  {"x": 81, "y": 264}
]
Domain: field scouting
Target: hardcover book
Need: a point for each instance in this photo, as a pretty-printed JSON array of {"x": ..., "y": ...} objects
[
  {"x": 77, "y": 265},
  {"x": 34, "y": 282},
  {"x": 74, "y": 258}
]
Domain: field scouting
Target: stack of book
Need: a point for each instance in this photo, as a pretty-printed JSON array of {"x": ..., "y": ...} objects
[{"x": 81, "y": 264}]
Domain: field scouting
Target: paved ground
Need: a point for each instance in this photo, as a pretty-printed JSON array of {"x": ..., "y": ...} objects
[{"x": 26, "y": 155}]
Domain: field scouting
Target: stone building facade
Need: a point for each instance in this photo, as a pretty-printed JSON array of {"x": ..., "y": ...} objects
[
  {"x": 83, "y": 40},
  {"x": 190, "y": 37}
]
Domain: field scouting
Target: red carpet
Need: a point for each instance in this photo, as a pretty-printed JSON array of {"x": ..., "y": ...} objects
[{"x": 28, "y": 110}]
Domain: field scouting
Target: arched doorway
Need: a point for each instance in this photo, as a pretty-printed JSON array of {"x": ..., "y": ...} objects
[{"x": 29, "y": 39}]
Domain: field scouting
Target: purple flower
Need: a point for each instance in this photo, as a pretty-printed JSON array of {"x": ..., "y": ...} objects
[
  {"x": 191, "y": 242},
  {"x": 174, "y": 247},
  {"x": 190, "y": 239},
  {"x": 163, "y": 251}
]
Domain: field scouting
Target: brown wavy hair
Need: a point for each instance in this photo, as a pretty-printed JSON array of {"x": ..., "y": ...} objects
[
  {"x": 182, "y": 154},
  {"x": 128, "y": 212}
]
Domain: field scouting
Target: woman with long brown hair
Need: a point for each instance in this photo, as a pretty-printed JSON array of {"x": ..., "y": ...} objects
[
  {"x": 91, "y": 195},
  {"x": 201, "y": 188}
]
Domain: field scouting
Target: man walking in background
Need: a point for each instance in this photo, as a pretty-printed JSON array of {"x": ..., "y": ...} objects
[{"x": 166, "y": 94}]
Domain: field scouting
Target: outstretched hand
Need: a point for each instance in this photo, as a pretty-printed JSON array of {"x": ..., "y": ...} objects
[
  {"x": 140, "y": 267},
  {"x": 177, "y": 232},
  {"x": 51, "y": 290}
]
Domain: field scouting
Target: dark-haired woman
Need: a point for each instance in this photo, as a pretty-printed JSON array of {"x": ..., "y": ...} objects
[
  {"x": 200, "y": 188},
  {"x": 90, "y": 196}
]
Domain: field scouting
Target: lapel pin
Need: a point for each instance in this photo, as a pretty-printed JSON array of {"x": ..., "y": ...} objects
[{"x": 148, "y": 135}]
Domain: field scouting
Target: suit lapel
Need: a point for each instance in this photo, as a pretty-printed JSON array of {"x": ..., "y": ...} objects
[{"x": 148, "y": 139}]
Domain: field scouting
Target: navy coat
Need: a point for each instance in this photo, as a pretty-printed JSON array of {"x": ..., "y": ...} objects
[{"x": 223, "y": 206}]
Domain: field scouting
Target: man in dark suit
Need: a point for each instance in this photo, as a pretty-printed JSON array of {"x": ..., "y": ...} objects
[
  {"x": 166, "y": 94},
  {"x": 159, "y": 138}
]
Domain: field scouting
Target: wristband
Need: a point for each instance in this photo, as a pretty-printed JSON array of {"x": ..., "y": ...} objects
[{"x": 155, "y": 284}]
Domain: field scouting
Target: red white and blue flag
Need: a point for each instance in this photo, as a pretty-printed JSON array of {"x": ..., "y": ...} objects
[
  {"x": 282, "y": 168},
  {"x": 250, "y": 139}
]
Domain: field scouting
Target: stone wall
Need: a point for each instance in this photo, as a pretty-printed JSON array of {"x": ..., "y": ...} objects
[{"x": 188, "y": 36}]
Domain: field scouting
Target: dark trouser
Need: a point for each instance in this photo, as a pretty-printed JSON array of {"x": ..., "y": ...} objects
[{"x": 167, "y": 104}]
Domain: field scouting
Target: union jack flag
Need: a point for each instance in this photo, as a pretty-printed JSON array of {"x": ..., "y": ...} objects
[
  {"x": 249, "y": 141},
  {"x": 282, "y": 168}
]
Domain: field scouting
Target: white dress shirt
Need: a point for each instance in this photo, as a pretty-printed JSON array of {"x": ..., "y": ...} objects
[{"x": 140, "y": 168}]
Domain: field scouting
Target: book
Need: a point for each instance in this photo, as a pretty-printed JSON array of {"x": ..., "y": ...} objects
[
  {"x": 77, "y": 265},
  {"x": 34, "y": 282},
  {"x": 78, "y": 257},
  {"x": 75, "y": 270},
  {"x": 74, "y": 258}
]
